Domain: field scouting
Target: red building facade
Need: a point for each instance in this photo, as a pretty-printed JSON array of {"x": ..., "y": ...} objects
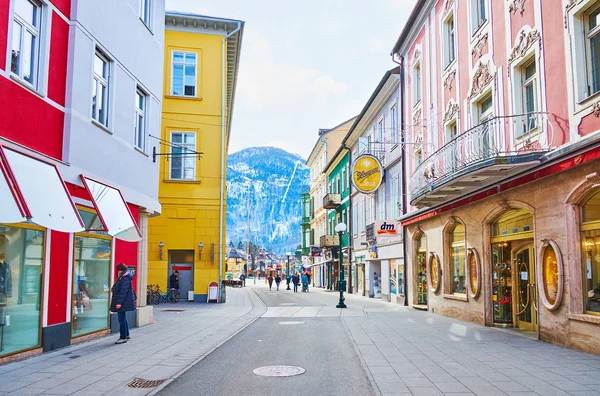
[
  {"x": 63, "y": 225},
  {"x": 500, "y": 118}
]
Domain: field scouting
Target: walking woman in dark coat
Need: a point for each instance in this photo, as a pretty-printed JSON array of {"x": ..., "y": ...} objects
[{"x": 123, "y": 300}]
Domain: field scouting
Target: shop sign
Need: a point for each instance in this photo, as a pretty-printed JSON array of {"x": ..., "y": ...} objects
[
  {"x": 367, "y": 173},
  {"x": 385, "y": 228}
]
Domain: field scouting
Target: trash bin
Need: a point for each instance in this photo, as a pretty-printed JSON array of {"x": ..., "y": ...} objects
[{"x": 190, "y": 295}]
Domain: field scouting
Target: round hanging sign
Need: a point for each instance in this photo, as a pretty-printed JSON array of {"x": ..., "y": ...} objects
[{"x": 367, "y": 173}]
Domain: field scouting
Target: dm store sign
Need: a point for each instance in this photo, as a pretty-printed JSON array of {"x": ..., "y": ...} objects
[
  {"x": 367, "y": 173},
  {"x": 387, "y": 228}
]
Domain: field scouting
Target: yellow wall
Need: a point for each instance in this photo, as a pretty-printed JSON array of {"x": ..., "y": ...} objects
[{"x": 190, "y": 209}]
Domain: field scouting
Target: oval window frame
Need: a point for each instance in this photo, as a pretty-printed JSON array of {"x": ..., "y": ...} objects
[
  {"x": 473, "y": 253},
  {"x": 433, "y": 256},
  {"x": 540, "y": 275}
]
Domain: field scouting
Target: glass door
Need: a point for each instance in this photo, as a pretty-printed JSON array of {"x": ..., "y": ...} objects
[
  {"x": 526, "y": 289},
  {"x": 502, "y": 284}
]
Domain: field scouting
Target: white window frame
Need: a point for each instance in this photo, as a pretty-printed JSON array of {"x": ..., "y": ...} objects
[
  {"x": 99, "y": 81},
  {"x": 395, "y": 197},
  {"x": 416, "y": 83},
  {"x": 381, "y": 202},
  {"x": 525, "y": 84},
  {"x": 146, "y": 12},
  {"x": 184, "y": 64},
  {"x": 36, "y": 32},
  {"x": 361, "y": 215},
  {"x": 381, "y": 134},
  {"x": 477, "y": 19},
  {"x": 483, "y": 116},
  {"x": 588, "y": 60},
  {"x": 183, "y": 133},
  {"x": 449, "y": 30},
  {"x": 394, "y": 124},
  {"x": 355, "y": 220},
  {"x": 140, "y": 114}
]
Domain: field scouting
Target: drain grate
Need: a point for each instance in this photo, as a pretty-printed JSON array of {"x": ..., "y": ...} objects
[
  {"x": 172, "y": 310},
  {"x": 144, "y": 383},
  {"x": 279, "y": 371}
]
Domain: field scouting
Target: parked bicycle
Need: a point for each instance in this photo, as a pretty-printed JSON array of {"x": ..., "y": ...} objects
[{"x": 157, "y": 296}]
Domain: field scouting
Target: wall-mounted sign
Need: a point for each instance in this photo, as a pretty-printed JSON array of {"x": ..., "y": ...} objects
[
  {"x": 367, "y": 173},
  {"x": 385, "y": 228}
]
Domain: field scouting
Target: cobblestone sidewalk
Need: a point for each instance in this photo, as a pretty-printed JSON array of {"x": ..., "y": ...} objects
[{"x": 160, "y": 351}]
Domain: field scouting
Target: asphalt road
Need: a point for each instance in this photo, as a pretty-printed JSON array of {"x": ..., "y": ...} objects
[{"x": 321, "y": 346}]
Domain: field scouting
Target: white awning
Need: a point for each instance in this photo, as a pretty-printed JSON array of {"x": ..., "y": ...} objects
[
  {"x": 112, "y": 210},
  {"x": 322, "y": 262},
  {"x": 39, "y": 192},
  {"x": 11, "y": 210}
]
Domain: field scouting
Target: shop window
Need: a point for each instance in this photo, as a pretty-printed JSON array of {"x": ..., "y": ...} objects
[
  {"x": 435, "y": 272},
  {"x": 591, "y": 253},
  {"x": 552, "y": 275},
  {"x": 457, "y": 260},
  {"x": 400, "y": 279},
  {"x": 393, "y": 277},
  {"x": 422, "y": 271},
  {"x": 184, "y": 74},
  {"x": 21, "y": 269},
  {"x": 25, "y": 49},
  {"x": 100, "y": 93},
  {"x": 183, "y": 156},
  {"x": 91, "y": 283}
]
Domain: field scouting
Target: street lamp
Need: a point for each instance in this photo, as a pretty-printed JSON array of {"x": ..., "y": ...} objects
[
  {"x": 287, "y": 271},
  {"x": 340, "y": 229}
]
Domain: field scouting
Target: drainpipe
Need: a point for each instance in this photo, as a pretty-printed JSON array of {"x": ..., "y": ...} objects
[
  {"x": 221, "y": 192},
  {"x": 403, "y": 167}
]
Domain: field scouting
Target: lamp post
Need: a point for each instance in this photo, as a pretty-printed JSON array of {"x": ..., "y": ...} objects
[
  {"x": 287, "y": 270},
  {"x": 340, "y": 229}
]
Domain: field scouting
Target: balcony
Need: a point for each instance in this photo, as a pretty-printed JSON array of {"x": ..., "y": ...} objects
[
  {"x": 332, "y": 201},
  {"x": 329, "y": 241},
  {"x": 305, "y": 220},
  {"x": 482, "y": 156}
]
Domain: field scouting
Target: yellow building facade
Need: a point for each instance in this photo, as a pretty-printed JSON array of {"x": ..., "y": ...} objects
[{"x": 200, "y": 72}]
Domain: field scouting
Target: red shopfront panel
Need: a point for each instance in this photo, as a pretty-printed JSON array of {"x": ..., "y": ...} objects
[
  {"x": 59, "y": 51},
  {"x": 4, "y": 9},
  {"x": 127, "y": 252},
  {"x": 59, "y": 277},
  {"x": 27, "y": 119},
  {"x": 64, "y": 6}
]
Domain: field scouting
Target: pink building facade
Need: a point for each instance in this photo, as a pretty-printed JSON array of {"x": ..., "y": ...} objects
[{"x": 501, "y": 109}]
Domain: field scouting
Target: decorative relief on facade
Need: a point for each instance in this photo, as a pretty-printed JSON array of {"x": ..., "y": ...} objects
[
  {"x": 524, "y": 42},
  {"x": 570, "y": 5},
  {"x": 451, "y": 110},
  {"x": 416, "y": 55},
  {"x": 594, "y": 178},
  {"x": 449, "y": 4},
  {"x": 417, "y": 117},
  {"x": 478, "y": 48},
  {"x": 517, "y": 6},
  {"x": 596, "y": 109},
  {"x": 482, "y": 78},
  {"x": 449, "y": 80}
]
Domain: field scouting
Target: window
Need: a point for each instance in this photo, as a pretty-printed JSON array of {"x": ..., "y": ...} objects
[
  {"x": 590, "y": 240},
  {"x": 101, "y": 88},
  {"x": 395, "y": 201},
  {"x": 361, "y": 216},
  {"x": 529, "y": 98},
  {"x": 344, "y": 180},
  {"x": 450, "y": 53},
  {"x": 381, "y": 203},
  {"x": 418, "y": 157},
  {"x": 457, "y": 260},
  {"x": 416, "y": 84},
  {"x": 339, "y": 184},
  {"x": 183, "y": 156},
  {"x": 140, "y": 119},
  {"x": 145, "y": 11},
  {"x": 25, "y": 50},
  {"x": 485, "y": 109},
  {"x": 478, "y": 13},
  {"x": 21, "y": 274},
  {"x": 183, "y": 74},
  {"x": 355, "y": 219},
  {"x": 394, "y": 122},
  {"x": 592, "y": 30},
  {"x": 380, "y": 134}
]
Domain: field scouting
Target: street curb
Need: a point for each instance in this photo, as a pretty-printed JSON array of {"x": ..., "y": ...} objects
[
  {"x": 362, "y": 360},
  {"x": 198, "y": 360}
]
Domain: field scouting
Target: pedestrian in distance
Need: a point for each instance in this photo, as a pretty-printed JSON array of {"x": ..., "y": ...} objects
[
  {"x": 304, "y": 282},
  {"x": 277, "y": 281},
  {"x": 123, "y": 300},
  {"x": 243, "y": 279},
  {"x": 174, "y": 280},
  {"x": 270, "y": 279},
  {"x": 295, "y": 281}
]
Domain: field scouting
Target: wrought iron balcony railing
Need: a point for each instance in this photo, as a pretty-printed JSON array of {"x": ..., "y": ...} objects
[{"x": 496, "y": 138}]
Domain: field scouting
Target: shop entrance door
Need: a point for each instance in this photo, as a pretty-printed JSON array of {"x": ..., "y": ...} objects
[
  {"x": 183, "y": 262},
  {"x": 525, "y": 289}
]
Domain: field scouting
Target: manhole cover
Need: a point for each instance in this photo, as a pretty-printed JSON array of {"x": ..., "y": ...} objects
[
  {"x": 287, "y": 304},
  {"x": 279, "y": 371},
  {"x": 144, "y": 383},
  {"x": 173, "y": 310},
  {"x": 291, "y": 322}
]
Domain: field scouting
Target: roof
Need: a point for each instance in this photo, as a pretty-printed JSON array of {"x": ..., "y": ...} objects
[
  {"x": 409, "y": 25},
  {"x": 226, "y": 28},
  {"x": 323, "y": 131},
  {"x": 378, "y": 89}
]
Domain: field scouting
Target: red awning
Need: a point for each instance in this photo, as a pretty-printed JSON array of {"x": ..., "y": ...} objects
[
  {"x": 33, "y": 190},
  {"x": 112, "y": 210}
]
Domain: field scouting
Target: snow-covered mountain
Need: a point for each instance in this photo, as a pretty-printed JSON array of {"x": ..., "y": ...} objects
[{"x": 263, "y": 197}]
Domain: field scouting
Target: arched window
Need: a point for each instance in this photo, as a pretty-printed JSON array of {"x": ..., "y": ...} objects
[
  {"x": 590, "y": 239},
  {"x": 457, "y": 260}
]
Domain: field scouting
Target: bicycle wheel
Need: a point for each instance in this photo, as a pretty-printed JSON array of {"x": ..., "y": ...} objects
[{"x": 155, "y": 298}]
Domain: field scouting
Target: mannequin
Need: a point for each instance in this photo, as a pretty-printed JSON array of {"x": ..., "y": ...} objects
[{"x": 5, "y": 287}]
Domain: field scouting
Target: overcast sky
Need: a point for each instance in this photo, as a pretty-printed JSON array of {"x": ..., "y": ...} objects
[{"x": 305, "y": 65}]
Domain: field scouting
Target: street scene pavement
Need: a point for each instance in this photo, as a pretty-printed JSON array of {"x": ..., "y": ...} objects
[{"x": 370, "y": 348}]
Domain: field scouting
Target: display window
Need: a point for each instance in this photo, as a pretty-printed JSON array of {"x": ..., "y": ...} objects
[
  {"x": 457, "y": 260},
  {"x": 21, "y": 277},
  {"x": 590, "y": 240},
  {"x": 91, "y": 280},
  {"x": 393, "y": 277},
  {"x": 422, "y": 271}
]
